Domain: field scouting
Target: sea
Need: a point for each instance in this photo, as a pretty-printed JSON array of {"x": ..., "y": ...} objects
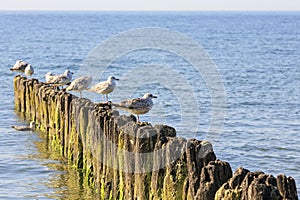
[{"x": 232, "y": 78}]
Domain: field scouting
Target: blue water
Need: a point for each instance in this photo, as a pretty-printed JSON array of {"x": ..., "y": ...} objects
[{"x": 256, "y": 54}]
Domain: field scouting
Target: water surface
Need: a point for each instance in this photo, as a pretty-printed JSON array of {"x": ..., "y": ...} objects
[{"x": 257, "y": 55}]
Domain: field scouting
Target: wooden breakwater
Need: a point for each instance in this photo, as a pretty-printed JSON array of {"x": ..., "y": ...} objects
[{"x": 121, "y": 159}]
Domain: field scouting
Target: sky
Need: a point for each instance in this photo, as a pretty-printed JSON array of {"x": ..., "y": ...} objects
[{"x": 153, "y": 5}]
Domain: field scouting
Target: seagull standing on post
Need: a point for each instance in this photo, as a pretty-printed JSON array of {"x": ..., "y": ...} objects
[
  {"x": 23, "y": 67},
  {"x": 49, "y": 76},
  {"x": 104, "y": 87},
  {"x": 28, "y": 70},
  {"x": 137, "y": 106},
  {"x": 59, "y": 80},
  {"x": 19, "y": 66},
  {"x": 80, "y": 84}
]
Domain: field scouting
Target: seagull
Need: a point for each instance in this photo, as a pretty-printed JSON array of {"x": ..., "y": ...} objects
[
  {"x": 137, "y": 106},
  {"x": 49, "y": 76},
  {"x": 25, "y": 128},
  {"x": 28, "y": 70},
  {"x": 19, "y": 66},
  {"x": 104, "y": 87},
  {"x": 80, "y": 84},
  {"x": 60, "y": 80}
]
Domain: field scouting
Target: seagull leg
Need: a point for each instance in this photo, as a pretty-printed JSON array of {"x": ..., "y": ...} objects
[
  {"x": 138, "y": 118},
  {"x": 80, "y": 94},
  {"x": 106, "y": 97}
]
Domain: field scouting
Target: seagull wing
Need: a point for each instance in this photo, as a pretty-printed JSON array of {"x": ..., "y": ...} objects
[
  {"x": 99, "y": 87},
  {"x": 56, "y": 79},
  {"x": 129, "y": 104},
  {"x": 136, "y": 106},
  {"x": 80, "y": 83}
]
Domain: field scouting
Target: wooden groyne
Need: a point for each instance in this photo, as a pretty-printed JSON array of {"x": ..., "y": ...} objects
[{"x": 121, "y": 159}]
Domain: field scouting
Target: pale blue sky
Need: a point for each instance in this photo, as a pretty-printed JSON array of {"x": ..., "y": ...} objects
[{"x": 140, "y": 5}]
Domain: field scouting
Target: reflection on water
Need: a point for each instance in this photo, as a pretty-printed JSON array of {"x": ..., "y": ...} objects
[{"x": 66, "y": 182}]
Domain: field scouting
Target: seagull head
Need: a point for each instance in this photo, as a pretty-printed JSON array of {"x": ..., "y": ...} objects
[
  {"x": 49, "y": 74},
  {"x": 68, "y": 73},
  {"x": 112, "y": 78},
  {"x": 149, "y": 95}
]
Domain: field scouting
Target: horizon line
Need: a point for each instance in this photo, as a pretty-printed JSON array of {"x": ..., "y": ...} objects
[{"x": 91, "y": 10}]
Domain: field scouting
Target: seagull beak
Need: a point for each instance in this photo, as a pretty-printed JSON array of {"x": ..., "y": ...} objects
[
  {"x": 117, "y": 79},
  {"x": 154, "y": 96}
]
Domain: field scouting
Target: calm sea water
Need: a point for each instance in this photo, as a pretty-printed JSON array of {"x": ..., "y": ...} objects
[{"x": 257, "y": 55}]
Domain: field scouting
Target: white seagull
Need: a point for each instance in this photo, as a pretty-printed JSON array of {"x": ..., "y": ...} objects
[
  {"x": 80, "y": 84},
  {"x": 104, "y": 87},
  {"x": 49, "y": 76},
  {"x": 28, "y": 70},
  {"x": 59, "y": 80},
  {"x": 19, "y": 66},
  {"x": 25, "y": 128},
  {"x": 137, "y": 106}
]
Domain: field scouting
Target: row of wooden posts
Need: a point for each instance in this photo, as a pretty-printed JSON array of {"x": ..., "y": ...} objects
[{"x": 122, "y": 159}]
